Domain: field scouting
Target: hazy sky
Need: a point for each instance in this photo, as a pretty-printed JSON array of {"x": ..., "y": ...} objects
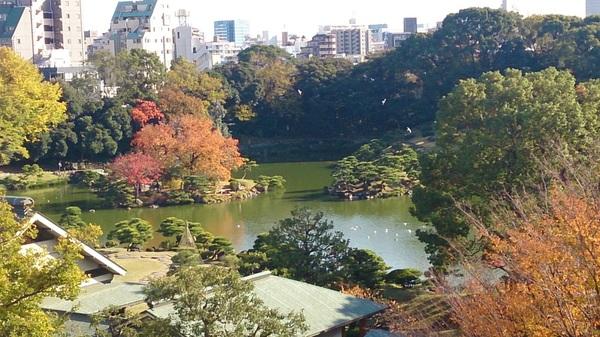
[{"x": 304, "y": 16}]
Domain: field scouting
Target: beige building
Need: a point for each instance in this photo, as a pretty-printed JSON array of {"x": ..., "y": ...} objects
[
  {"x": 51, "y": 25},
  {"x": 15, "y": 30},
  {"x": 321, "y": 46}
]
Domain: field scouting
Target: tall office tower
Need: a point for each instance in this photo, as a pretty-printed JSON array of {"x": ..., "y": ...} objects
[
  {"x": 144, "y": 24},
  {"x": 232, "y": 30},
  {"x": 285, "y": 38},
  {"x": 411, "y": 25},
  {"x": 592, "y": 7}
]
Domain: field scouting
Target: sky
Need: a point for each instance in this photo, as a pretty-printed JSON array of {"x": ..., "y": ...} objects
[{"x": 303, "y": 17}]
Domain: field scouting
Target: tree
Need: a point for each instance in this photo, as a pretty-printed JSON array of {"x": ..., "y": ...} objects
[
  {"x": 134, "y": 232},
  {"x": 216, "y": 302},
  {"x": 549, "y": 269},
  {"x": 32, "y": 171},
  {"x": 174, "y": 227},
  {"x": 407, "y": 278},
  {"x": 146, "y": 112},
  {"x": 175, "y": 103},
  {"x": 137, "y": 169},
  {"x": 305, "y": 248},
  {"x": 28, "y": 277},
  {"x": 86, "y": 232},
  {"x": 490, "y": 132},
  {"x": 192, "y": 145},
  {"x": 71, "y": 218},
  {"x": 28, "y": 105},
  {"x": 366, "y": 269}
]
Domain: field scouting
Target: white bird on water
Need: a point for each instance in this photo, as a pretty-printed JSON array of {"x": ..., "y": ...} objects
[
  {"x": 387, "y": 230},
  {"x": 409, "y": 130},
  {"x": 384, "y": 101},
  {"x": 300, "y": 92},
  {"x": 410, "y": 231}
]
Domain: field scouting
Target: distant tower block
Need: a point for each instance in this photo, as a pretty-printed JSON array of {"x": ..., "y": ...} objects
[
  {"x": 183, "y": 15},
  {"x": 509, "y": 6}
]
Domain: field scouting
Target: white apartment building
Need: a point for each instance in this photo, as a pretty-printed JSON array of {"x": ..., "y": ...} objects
[
  {"x": 144, "y": 24},
  {"x": 53, "y": 25},
  {"x": 352, "y": 41},
  {"x": 188, "y": 40},
  {"x": 214, "y": 53}
]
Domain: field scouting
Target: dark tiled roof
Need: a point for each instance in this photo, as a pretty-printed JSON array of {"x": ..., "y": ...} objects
[{"x": 11, "y": 15}]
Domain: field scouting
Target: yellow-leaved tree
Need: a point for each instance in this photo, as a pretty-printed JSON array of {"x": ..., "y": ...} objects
[
  {"x": 28, "y": 105},
  {"x": 27, "y": 276}
]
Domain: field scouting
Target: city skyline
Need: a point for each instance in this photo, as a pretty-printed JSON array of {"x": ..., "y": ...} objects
[{"x": 305, "y": 20}]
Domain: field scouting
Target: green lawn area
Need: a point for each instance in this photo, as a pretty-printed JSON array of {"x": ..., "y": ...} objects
[{"x": 12, "y": 181}]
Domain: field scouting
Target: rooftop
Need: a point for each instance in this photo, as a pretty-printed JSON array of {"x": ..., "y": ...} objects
[
  {"x": 134, "y": 9},
  {"x": 94, "y": 299},
  {"x": 323, "y": 309},
  {"x": 9, "y": 19}
]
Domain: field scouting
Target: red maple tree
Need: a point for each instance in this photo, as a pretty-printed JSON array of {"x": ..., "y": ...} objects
[
  {"x": 193, "y": 144},
  {"x": 147, "y": 112},
  {"x": 137, "y": 169}
]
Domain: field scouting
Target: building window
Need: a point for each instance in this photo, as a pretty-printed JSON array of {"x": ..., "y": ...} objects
[
  {"x": 68, "y": 16},
  {"x": 47, "y": 15},
  {"x": 194, "y": 50},
  {"x": 48, "y": 28},
  {"x": 18, "y": 41},
  {"x": 69, "y": 28},
  {"x": 178, "y": 35}
]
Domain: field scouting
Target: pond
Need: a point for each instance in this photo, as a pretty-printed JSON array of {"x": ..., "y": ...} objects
[{"x": 384, "y": 226}]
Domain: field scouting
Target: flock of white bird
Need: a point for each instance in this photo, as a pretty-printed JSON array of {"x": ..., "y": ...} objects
[{"x": 387, "y": 231}]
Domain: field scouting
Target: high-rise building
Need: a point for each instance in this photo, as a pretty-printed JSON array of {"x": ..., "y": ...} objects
[
  {"x": 285, "y": 39},
  {"x": 592, "y": 7},
  {"x": 53, "y": 25},
  {"x": 353, "y": 41},
  {"x": 143, "y": 24},
  {"x": 411, "y": 25},
  {"x": 234, "y": 31}
]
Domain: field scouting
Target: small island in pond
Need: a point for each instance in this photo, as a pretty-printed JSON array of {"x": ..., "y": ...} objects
[{"x": 376, "y": 170}]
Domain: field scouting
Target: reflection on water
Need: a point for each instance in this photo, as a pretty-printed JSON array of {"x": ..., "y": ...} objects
[{"x": 384, "y": 226}]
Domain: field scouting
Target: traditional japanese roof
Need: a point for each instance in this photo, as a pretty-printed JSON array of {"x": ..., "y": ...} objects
[
  {"x": 323, "y": 309},
  {"x": 10, "y": 16},
  {"x": 96, "y": 298},
  {"x": 43, "y": 222}
]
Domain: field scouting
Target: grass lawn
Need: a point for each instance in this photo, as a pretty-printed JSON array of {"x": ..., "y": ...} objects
[
  {"x": 13, "y": 181},
  {"x": 141, "y": 266}
]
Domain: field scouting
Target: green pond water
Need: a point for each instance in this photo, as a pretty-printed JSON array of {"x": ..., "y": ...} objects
[{"x": 384, "y": 226}]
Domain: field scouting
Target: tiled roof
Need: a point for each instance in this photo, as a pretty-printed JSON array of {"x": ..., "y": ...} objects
[
  {"x": 323, "y": 309},
  {"x": 11, "y": 16},
  {"x": 94, "y": 299},
  {"x": 121, "y": 11}
]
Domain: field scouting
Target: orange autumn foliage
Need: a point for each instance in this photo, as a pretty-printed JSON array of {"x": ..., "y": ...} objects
[
  {"x": 146, "y": 112},
  {"x": 175, "y": 102},
  {"x": 191, "y": 144},
  {"x": 551, "y": 268}
]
